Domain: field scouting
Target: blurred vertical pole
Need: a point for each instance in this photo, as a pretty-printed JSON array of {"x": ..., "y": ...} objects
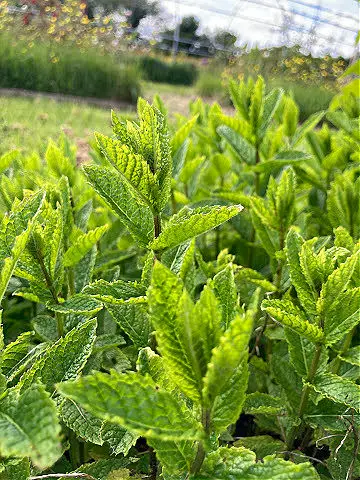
[{"x": 176, "y": 34}]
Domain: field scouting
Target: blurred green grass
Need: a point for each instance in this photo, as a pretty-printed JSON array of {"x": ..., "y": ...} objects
[
  {"x": 309, "y": 98},
  {"x": 28, "y": 123},
  {"x": 48, "y": 67}
]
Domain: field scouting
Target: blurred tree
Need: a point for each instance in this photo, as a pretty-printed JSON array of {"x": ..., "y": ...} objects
[
  {"x": 225, "y": 40},
  {"x": 138, "y": 9},
  {"x": 189, "y": 41},
  {"x": 189, "y": 27}
]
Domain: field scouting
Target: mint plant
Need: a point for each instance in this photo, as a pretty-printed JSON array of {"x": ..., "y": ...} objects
[{"x": 187, "y": 305}]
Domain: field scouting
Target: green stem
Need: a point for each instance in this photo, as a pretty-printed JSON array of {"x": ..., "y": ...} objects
[
  {"x": 71, "y": 281},
  {"x": 157, "y": 225},
  {"x": 59, "y": 323},
  {"x": 157, "y": 231},
  {"x": 344, "y": 349},
  {"x": 280, "y": 262},
  {"x": 355, "y": 453},
  {"x": 49, "y": 283},
  {"x": 305, "y": 396},
  {"x": 153, "y": 464},
  {"x": 309, "y": 379},
  {"x": 251, "y": 247},
  {"x": 74, "y": 450},
  {"x": 200, "y": 454},
  {"x": 173, "y": 203},
  {"x": 217, "y": 242},
  {"x": 199, "y": 459},
  {"x": 257, "y": 174},
  {"x": 257, "y": 191},
  {"x": 48, "y": 280}
]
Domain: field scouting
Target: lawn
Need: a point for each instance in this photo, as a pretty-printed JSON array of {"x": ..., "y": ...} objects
[{"x": 28, "y": 123}]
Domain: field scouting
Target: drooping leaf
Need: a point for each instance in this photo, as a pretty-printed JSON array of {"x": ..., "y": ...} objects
[
  {"x": 352, "y": 356},
  {"x": 262, "y": 403},
  {"x": 119, "y": 439},
  {"x": 133, "y": 320},
  {"x": 240, "y": 464},
  {"x": 45, "y": 326},
  {"x": 79, "y": 303},
  {"x": 85, "y": 425},
  {"x": 338, "y": 389},
  {"x": 281, "y": 160},
  {"x": 29, "y": 427},
  {"x": 106, "y": 469},
  {"x": 176, "y": 457},
  {"x": 64, "y": 359},
  {"x": 262, "y": 445},
  {"x": 158, "y": 415},
  {"x": 285, "y": 312},
  {"x": 285, "y": 375},
  {"x": 119, "y": 289},
  {"x": 16, "y": 351}
]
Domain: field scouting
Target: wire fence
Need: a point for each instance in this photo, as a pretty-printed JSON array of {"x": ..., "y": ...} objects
[{"x": 318, "y": 28}]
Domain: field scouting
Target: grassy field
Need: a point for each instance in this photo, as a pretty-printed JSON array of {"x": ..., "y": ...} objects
[{"x": 28, "y": 123}]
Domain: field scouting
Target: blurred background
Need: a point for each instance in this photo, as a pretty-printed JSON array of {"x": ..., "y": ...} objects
[{"x": 64, "y": 64}]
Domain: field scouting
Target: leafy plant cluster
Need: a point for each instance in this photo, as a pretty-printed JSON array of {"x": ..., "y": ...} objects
[
  {"x": 157, "y": 70},
  {"x": 186, "y": 306}
]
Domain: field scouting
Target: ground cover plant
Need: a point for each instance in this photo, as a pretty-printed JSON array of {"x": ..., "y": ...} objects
[{"x": 186, "y": 306}]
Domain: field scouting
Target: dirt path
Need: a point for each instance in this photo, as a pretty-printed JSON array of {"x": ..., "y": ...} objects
[
  {"x": 176, "y": 103},
  {"x": 59, "y": 97}
]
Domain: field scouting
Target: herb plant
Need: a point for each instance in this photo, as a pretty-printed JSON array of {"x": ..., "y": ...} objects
[{"x": 186, "y": 306}]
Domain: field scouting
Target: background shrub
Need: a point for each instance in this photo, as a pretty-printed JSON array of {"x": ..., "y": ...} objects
[
  {"x": 156, "y": 70},
  {"x": 48, "y": 68},
  {"x": 309, "y": 98},
  {"x": 210, "y": 85}
]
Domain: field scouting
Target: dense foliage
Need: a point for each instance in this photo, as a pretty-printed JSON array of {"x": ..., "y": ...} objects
[
  {"x": 48, "y": 67},
  {"x": 186, "y": 306},
  {"x": 157, "y": 70}
]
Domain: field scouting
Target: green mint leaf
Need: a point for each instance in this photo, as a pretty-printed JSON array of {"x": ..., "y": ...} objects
[
  {"x": 115, "y": 398},
  {"x": 190, "y": 223},
  {"x": 29, "y": 427}
]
